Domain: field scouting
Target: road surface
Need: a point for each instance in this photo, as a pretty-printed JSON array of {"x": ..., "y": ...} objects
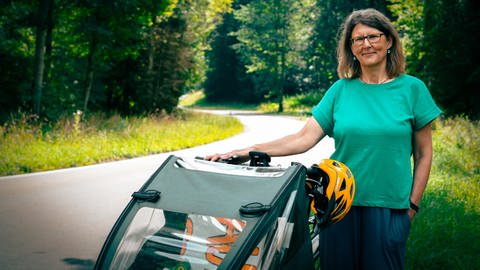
[{"x": 60, "y": 219}]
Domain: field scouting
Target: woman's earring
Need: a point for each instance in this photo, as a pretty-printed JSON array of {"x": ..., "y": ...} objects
[
  {"x": 388, "y": 51},
  {"x": 354, "y": 58}
]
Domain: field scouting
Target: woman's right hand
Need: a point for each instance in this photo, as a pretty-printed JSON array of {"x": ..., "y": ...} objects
[{"x": 240, "y": 155}]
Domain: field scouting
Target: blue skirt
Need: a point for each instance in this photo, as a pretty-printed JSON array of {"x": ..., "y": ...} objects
[{"x": 366, "y": 238}]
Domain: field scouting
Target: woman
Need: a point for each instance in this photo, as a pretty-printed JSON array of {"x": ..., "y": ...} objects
[{"x": 379, "y": 117}]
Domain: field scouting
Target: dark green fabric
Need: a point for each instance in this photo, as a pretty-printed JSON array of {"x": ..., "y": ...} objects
[
  {"x": 221, "y": 195},
  {"x": 210, "y": 193}
]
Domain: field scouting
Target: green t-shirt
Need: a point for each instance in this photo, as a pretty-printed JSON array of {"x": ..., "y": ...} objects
[{"x": 372, "y": 125}]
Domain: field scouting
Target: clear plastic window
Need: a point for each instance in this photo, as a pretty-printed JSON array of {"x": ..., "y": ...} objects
[
  {"x": 158, "y": 239},
  {"x": 274, "y": 245}
]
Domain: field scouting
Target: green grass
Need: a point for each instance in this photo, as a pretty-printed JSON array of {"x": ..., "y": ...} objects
[
  {"x": 197, "y": 99},
  {"x": 192, "y": 99},
  {"x": 445, "y": 234},
  {"x": 70, "y": 142},
  {"x": 300, "y": 104}
]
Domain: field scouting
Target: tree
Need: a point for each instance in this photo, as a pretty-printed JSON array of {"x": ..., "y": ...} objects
[
  {"x": 108, "y": 56},
  {"x": 268, "y": 43},
  {"x": 409, "y": 22},
  {"x": 451, "y": 61},
  {"x": 170, "y": 63},
  {"x": 226, "y": 79},
  {"x": 42, "y": 24},
  {"x": 17, "y": 19},
  {"x": 176, "y": 61}
]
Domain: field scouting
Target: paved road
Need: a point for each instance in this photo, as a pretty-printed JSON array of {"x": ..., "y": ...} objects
[{"x": 60, "y": 219}]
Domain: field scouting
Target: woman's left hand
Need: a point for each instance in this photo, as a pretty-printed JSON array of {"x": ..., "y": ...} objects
[{"x": 411, "y": 214}]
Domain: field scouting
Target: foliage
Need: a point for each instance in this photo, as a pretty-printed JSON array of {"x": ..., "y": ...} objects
[
  {"x": 16, "y": 53},
  {"x": 226, "y": 80},
  {"x": 295, "y": 104},
  {"x": 132, "y": 56},
  {"x": 451, "y": 61},
  {"x": 409, "y": 23},
  {"x": 28, "y": 147},
  {"x": 442, "y": 232},
  {"x": 271, "y": 40},
  {"x": 447, "y": 63},
  {"x": 123, "y": 56}
]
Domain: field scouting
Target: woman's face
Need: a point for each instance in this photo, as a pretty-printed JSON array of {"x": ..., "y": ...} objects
[{"x": 369, "y": 45}]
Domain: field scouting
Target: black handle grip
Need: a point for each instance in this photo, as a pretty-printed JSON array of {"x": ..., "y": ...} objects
[{"x": 259, "y": 159}]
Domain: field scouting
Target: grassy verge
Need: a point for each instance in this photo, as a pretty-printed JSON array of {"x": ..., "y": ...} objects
[
  {"x": 300, "y": 104},
  {"x": 197, "y": 99},
  {"x": 445, "y": 233},
  {"x": 27, "y": 147}
]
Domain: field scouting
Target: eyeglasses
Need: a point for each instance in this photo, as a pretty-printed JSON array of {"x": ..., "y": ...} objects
[{"x": 373, "y": 38}]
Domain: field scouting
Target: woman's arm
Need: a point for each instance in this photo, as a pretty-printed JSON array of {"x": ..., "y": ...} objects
[
  {"x": 422, "y": 156},
  {"x": 292, "y": 144}
]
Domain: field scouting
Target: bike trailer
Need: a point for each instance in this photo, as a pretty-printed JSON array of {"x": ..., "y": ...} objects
[{"x": 196, "y": 214}]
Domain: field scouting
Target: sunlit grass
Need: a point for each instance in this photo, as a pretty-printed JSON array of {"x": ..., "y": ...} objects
[
  {"x": 27, "y": 147},
  {"x": 300, "y": 104},
  {"x": 192, "y": 98},
  {"x": 445, "y": 233},
  {"x": 197, "y": 99}
]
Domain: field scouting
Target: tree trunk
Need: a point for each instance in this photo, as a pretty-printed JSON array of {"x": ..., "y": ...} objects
[
  {"x": 90, "y": 71},
  {"x": 151, "y": 47},
  {"x": 39, "y": 64},
  {"x": 151, "y": 78},
  {"x": 48, "y": 43},
  {"x": 94, "y": 19}
]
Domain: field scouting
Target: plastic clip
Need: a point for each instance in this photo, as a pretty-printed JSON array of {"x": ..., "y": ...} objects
[
  {"x": 148, "y": 195},
  {"x": 254, "y": 209}
]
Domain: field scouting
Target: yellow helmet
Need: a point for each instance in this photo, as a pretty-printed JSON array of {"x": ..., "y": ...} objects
[{"x": 331, "y": 186}]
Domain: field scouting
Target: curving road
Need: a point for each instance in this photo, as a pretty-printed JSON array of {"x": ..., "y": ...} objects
[{"x": 60, "y": 219}]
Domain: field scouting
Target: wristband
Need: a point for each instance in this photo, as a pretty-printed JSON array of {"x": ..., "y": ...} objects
[{"x": 414, "y": 207}]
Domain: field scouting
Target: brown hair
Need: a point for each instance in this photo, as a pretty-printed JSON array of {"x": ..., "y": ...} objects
[{"x": 347, "y": 67}]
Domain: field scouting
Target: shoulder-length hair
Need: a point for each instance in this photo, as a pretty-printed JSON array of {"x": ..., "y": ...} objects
[{"x": 347, "y": 66}]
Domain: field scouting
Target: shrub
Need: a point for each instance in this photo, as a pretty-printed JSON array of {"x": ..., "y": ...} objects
[{"x": 444, "y": 232}]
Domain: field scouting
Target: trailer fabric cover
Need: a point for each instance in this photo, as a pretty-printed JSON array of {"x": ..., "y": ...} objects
[{"x": 207, "y": 189}]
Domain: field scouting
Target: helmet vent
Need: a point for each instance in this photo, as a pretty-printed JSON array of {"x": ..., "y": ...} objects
[
  {"x": 339, "y": 201},
  {"x": 344, "y": 185}
]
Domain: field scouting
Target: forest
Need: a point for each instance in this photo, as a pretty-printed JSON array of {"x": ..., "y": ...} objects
[{"x": 135, "y": 57}]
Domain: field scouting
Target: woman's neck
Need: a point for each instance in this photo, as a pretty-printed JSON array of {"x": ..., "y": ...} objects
[
  {"x": 374, "y": 77},
  {"x": 375, "y": 80}
]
